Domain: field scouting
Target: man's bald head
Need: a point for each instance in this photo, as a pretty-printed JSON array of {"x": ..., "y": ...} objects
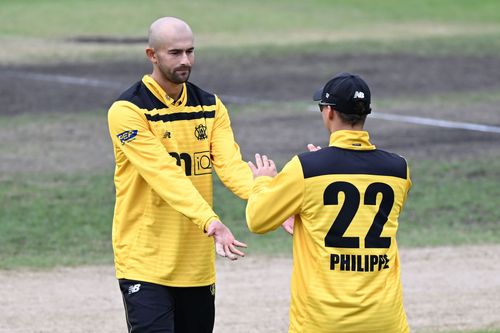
[{"x": 166, "y": 30}]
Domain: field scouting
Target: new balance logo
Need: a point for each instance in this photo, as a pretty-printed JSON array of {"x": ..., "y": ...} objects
[
  {"x": 133, "y": 289},
  {"x": 359, "y": 94}
]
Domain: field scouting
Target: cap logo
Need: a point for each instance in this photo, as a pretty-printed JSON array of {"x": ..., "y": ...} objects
[
  {"x": 327, "y": 95},
  {"x": 359, "y": 94}
]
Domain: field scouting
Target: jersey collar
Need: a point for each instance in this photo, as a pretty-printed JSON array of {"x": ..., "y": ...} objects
[
  {"x": 159, "y": 93},
  {"x": 355, "y": 140}
]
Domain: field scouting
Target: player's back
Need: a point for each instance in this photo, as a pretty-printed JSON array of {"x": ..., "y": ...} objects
[{"x": 346, "y": 275}]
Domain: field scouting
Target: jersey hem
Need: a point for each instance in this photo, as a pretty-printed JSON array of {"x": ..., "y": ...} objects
[{"x": 167, "y": 282}]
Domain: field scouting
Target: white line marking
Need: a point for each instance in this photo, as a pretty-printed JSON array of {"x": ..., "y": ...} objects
[
  {"x": 436, "y": 122},
  {"x": 430, "y": 122},
  {"x": 65, "y": 79}
]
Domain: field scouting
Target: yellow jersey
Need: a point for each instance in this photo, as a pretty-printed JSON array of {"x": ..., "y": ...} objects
[
  {"x": 346, "y": 269},
  {"x": 165, "y": 152}
]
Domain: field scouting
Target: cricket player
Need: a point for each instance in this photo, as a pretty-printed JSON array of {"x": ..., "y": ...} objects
[
  {"x": 347, "y": 199},
  {"x": 168, "y": 136}
]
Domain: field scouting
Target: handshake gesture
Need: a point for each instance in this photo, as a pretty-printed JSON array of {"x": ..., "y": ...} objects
[
  {"x": 265, "y": 167},
  {"x": 225, "y": 243}
]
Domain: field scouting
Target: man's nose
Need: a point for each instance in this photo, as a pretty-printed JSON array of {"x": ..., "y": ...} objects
[{"x": 185, "y": 60}]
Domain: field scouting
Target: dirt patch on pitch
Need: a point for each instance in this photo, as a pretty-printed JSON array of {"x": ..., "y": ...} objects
[
  {"x": 287, "y": 77},
  {"x": 445, "y": 289}
]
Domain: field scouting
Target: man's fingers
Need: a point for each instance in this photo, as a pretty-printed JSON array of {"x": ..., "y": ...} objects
[
  {"x": 258, "y": 161},
  {"x": 236, "y": 251},
  {"x": 229, "y": 254},
  {"x": 265, "y": 160},
  {"x": 289, "y": 224},
  {"x": 312, "y": 147},
  {"x": 238, "y": 243},
  {"x": 252, "y": 167},
  {"x": 220, "y": 249},
  {"x": 271, "y": 163}
]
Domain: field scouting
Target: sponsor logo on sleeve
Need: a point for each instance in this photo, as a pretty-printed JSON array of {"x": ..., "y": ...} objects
[{"x": 127, "y": 136}]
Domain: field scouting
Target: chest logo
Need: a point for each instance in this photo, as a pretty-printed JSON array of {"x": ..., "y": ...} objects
[{"x": 200, "y": 132}]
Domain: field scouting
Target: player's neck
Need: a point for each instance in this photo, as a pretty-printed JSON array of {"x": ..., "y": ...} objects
[
  {"x": 335, "y": 126},
  {"x": 173, "y": 90}
]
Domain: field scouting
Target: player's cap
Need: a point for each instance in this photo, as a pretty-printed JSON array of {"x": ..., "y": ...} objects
[{"x": 347, "y": 93}]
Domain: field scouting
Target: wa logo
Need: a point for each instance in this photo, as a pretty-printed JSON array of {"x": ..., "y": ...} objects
[{"x": 200, "y": 132}]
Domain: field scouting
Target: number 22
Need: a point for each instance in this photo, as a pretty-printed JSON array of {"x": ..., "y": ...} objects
[{"x": 335, "y": 236}]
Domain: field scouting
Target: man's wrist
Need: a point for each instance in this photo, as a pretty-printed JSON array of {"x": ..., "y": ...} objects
[{"x": 209, "y": 221}]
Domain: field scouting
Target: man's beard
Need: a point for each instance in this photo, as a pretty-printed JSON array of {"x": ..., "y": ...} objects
[{"x": 174, "y": 77}]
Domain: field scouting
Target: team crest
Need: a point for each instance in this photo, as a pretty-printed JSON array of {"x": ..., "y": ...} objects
[{"x": 200, "y": 132}]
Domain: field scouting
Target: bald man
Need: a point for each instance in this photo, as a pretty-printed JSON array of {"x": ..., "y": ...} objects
[{"x": 168, "y": 136}]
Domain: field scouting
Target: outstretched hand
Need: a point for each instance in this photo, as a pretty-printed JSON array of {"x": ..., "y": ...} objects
[
  {"x": 225, "y": 243},
  {"x": 263, "y": 166}
]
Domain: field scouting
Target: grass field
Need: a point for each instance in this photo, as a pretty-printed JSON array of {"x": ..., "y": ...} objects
[
  {"x": 57, "y": 205},
  {"x": 82, "y": 204},
  {"x": 244, "y": 21}
]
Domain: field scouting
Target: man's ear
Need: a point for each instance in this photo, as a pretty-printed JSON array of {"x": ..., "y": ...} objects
[
  {"x": 331, "y": 113},
  {"x": 150, "y": 52}
]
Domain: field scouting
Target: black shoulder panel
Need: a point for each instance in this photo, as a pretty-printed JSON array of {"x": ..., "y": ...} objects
[
  {"x": 198, "y": 96},
  {"x": 140, "y": 95},
  {"x": 333, "y": 160}
]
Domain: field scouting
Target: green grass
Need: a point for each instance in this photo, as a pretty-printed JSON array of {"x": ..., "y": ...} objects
[
  {"x": 50, "y": 220},
  {"x": 40, "y": 31},
  {"x": 59, "y": 18},
  {"x": 452, "y": 204}
]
